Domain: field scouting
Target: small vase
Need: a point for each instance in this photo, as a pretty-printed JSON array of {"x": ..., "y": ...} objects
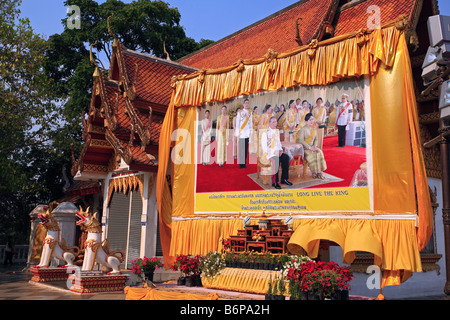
[
  {"x": 197, "y": 281},
  {"x": 189, "y": 282},
  {"x": 149, "y": 275},
  {"x": 303, "y": 295},
  {"x": 312, "y": 295},
  {"x": 268, "y": 297},
  {"x": 336, "y": 295},
  {"x": 344, "y": 295},
  {"x": 181, "y": 281}
]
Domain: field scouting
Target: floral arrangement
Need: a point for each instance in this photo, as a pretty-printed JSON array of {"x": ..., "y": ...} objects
[
  {"x": 141, "y": 266},
  {"x": 324, "y": 278},
  {"x": 294, "y": 263},
  {"x": 267, "y": 260},
  {"x": 190, "y": 266},
  {"x": 226, "y": 243},
  {"x": 211, "y": 264}
]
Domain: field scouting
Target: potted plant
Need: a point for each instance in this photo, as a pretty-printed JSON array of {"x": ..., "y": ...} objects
[
  {"x": 244, "y": 259},
  {"x": 259, "y": 260},
  {"x": 192, "y": 271},
  {"x": 177, "y": 267},
  {"x": 325, "y": 280},
  {"x": 227, "y": 257},
  {"x": 211, "y": 264},
  {"x": 297, "y": 293},
  {"x": 292, "y": 292},
  {"x": 271, "y": 262},
  {"x": 189, "y": 266},
  {"x": 146, "y": 267},
  {"x": 292, "y": 278},
  {"x": 307, "y": 275},
  {"x": 235, "y": 260},
  {"x": 265, "y": 257},
  {"x": 270, "y": 289},
  {"x": 281, "y": 285},
  {"x": 345, "y": 276}
]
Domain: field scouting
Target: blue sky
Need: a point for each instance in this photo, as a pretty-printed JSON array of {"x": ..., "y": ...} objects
[{"x": 205, "y": 19}]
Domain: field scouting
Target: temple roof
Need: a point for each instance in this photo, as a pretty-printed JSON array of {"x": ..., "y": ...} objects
[
  {"x": 127, "y": 110},
  {"x": 320, "y": 19},
  {"x": 154, "y": 75},
  {"x": 278, "y": 32}
]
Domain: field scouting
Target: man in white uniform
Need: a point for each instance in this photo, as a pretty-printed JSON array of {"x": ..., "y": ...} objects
[
  {"x": 206, "y": 138},
  {"x": 342, "y": 119},
  {"x": 243, "y": 129},
  {"x": 273, "y": 151}
]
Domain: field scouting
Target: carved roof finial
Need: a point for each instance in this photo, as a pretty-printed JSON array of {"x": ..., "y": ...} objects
[
  {"x": 110, "y": 32},
  {"x": 91, "y": 58},
  {"x": 165, "y": 51},
  {"x": 297, "y": 37}
]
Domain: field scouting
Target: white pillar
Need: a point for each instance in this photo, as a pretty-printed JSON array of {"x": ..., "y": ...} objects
[{"x": 65, "y": 216}]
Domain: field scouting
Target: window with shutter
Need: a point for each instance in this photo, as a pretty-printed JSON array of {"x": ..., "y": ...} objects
[
  {"x": 117, "y": 233},
  {"x": 124, "y": 224},
  {"x": 134, "y": 239}
]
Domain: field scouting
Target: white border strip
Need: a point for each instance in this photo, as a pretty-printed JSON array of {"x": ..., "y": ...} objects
[{"x": 407, "y": 217}]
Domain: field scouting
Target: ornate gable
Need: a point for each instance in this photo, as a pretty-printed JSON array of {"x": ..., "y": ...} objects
[{"x": 126, "y": 113}]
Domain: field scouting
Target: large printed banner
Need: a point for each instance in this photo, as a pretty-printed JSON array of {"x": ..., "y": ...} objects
[{"x": 328, "y": 154}]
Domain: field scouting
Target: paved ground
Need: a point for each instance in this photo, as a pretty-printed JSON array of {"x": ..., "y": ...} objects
[{"x": 15, "y": 285}]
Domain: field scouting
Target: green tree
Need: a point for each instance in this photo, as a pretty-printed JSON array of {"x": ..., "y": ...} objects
[
  {"x": 45, "y": 85},
  {"x": 142, "y": 25},
  {"x": 28, "y": 117}
]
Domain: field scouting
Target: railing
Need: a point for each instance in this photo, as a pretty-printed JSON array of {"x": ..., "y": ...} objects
[{"x": 20, "y": 254}]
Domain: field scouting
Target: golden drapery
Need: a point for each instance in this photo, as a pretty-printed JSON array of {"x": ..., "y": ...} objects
[
  {"x": 379, "y": 54},
  {"x": 242, "y": 280},
  {"x": 146, "y": 293}
]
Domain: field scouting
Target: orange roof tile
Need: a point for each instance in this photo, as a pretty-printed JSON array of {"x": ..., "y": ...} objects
[
  {"x": 277, "y": 32},
  {"x": 354, "y": 17},
  {"x": 154, "y": 76}
]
